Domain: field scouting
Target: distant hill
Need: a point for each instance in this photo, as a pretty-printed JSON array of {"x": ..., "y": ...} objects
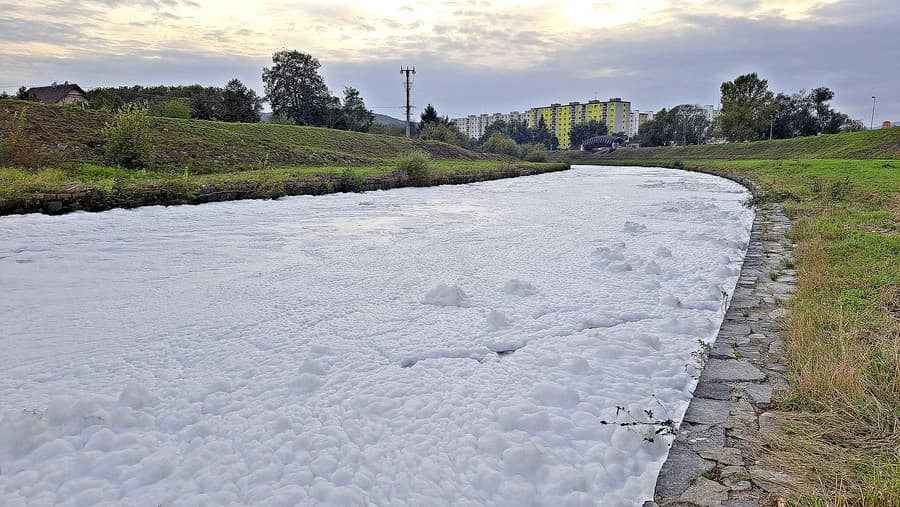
[{"x": 383, "y": 119}]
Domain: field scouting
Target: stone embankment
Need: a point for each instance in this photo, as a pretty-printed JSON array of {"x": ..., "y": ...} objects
[{"x": 713, "y": 460}]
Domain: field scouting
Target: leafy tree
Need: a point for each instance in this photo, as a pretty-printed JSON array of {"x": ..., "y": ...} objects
[
  {"x": 206, "y": 102},
  {"x": 240, "y": 104},
  {"x": 295, "y": 89},
  {"x": 22, "y": 93},
  {"x": 584, "y": 131},
  {"x": 690, "y": 124},
  {"x": 500, "y": 144},
  {"x": 853, "y": 126},
  {"x": 806, "y": 114},
  {"x": 747, "y": 105},
  {"x": 519, "y": 132},
  {"x": 659, "y": 131},
  {"x": 356, "y": 117}
]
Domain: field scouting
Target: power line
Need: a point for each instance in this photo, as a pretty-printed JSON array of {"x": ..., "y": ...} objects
[{"x": 407, "y": 71}]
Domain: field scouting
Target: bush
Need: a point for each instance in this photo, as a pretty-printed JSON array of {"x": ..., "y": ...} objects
[
  {"x": 352, "y": 181},
  {"x": 536, "y": 156},
  {"x": 16, "y": 149},
  {"x": 502, "y": 145},
  {"x": 174, "y": 108},
  {"x": 129, "y": 143},
  {"x": 445, "y": 134},
  {"x": 678, "y": 164},
  {"x": 534, "y": 152},
  {"x": 416, "y": 166}
]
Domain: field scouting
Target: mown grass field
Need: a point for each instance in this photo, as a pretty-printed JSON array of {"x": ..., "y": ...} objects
[
  {"x": 59, "y": 154},
  {"x": 872, "y": 144},
  {"x": 843, "y": 328}
]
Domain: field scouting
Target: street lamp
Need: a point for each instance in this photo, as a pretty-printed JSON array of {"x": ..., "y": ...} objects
[{"x": 872, "y": 124}]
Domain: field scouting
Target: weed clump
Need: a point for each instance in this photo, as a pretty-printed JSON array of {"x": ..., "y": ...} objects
[
  {"x": 415, "y": 166},
  {"x": 536, "y": 155},
  {"x": 352, "y": 180},
  {"x": 129, "y": 144},
  {"x": 16, "y": 150}
]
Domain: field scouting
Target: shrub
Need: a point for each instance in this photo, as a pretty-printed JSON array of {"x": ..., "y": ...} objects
[
  {"x": 352, "y": 180},
  {"x": 443, "y": 133},
  {"x": 174, "y": 108},
  {"x": 129, "y": 144},
  {"x": 502, "y": 145},
  {"x": 16, "y": 149},
  {"x": 678, "y": 164},
  {"x": 416, "y": 166},
  {"x": 534, "y": 152}
]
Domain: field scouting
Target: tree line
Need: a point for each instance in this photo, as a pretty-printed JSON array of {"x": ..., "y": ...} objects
[{"x": 749, "y": 112}]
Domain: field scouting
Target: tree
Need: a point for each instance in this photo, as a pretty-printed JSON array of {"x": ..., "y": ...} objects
[
  {"x": 499, "y": 143},
  {"x": 584, "y": 131},
  {"x": 206, "y": 102},
  {"x": 853, "y": 126},
  {"x": 239, "y": 104},
  {"x": 22, "y": 93},
  {"x": 806, "y": 114},
  {"x": 295, "y": 89},
  {"x": 356, "y": 117},
  {"x": 429, "y": 115},
  {"x": 690, "y": 124},
  {"x": 747, "y": 105},
  {"x": 659, "y": 131}
]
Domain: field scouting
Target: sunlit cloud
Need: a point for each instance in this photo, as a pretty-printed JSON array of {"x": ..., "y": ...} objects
[{"x": 657, "y": 52}]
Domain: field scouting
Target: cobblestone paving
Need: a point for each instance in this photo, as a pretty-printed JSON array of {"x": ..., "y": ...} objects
[{"x": 713, "y": 459}]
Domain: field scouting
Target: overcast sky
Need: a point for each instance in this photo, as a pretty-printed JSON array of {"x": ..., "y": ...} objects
[{"x": 470, "y": 57}]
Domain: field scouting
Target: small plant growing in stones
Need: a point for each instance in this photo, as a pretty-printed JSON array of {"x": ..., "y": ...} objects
[{"x": 660, "y": 427}]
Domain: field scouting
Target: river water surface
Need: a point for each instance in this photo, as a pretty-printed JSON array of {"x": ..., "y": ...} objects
[{"x": 455, "y": 345}]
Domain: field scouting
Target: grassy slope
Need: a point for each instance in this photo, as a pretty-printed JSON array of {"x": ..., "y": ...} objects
[
  {"x": 64, "y": 155},
  {"x": 843, "y": 331},
  {"x": 210, "y": 146},
  {"x": 873, "y": 144}
]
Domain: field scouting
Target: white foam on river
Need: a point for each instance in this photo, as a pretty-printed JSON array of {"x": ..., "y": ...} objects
[{"x": 455, "y": 345}]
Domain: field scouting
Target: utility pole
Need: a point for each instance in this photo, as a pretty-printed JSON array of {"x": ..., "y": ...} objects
[
  {"x": 407, "y": 72},
  {"x": 872, "y": 124}
]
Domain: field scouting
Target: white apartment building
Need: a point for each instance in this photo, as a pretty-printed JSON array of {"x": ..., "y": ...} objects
[
  {"x": 474, "y": 125},
  {"x": 637, "y": 118}
]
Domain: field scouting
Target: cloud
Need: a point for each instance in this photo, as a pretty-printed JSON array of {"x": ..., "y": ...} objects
[{"x": 472, "y": 57}]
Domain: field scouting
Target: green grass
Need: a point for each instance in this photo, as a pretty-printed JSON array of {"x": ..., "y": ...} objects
[
  {"x": 63, "y": 153},
  {"x": 843, "y": 328},
  {"x": 211, "y": 146},
  {"x": 872, "y": 144}
]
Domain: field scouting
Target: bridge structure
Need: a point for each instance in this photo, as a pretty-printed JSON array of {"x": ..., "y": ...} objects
[{"x": 601, "y": 142}]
